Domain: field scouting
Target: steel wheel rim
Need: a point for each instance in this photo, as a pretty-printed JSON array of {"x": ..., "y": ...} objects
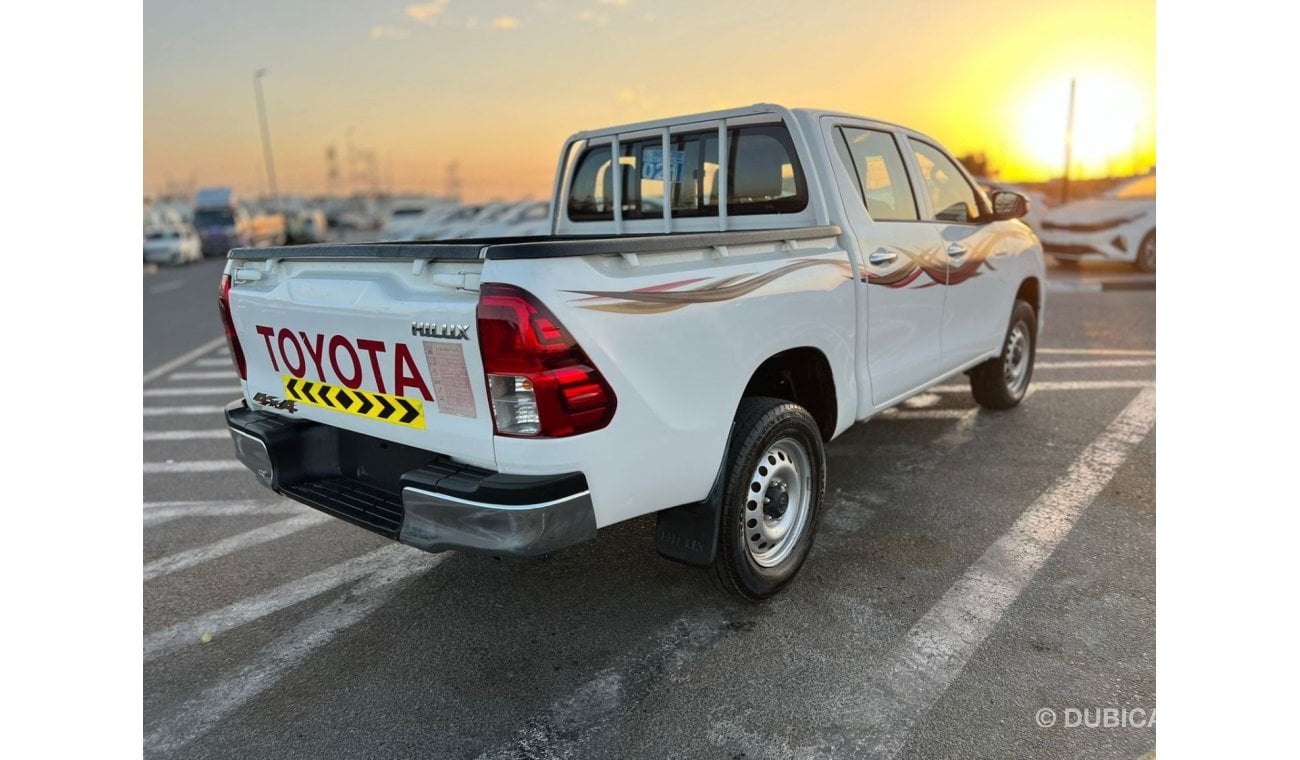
[
  {"x": 778, "y": 502},
  {"x": 1015, "y": 361}
]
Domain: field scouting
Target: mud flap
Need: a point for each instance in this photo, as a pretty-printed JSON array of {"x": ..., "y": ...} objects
[{"x": 689, "y": 533}]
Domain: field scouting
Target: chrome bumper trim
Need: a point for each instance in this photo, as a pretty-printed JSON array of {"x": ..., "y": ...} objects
[{"x": 437, "y": 522}]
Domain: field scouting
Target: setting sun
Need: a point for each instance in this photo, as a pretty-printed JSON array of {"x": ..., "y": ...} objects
[{"x": 1108, "y": 127}]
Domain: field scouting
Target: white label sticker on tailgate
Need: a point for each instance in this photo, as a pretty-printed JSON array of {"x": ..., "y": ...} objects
[{"x": 450, "y": 379}]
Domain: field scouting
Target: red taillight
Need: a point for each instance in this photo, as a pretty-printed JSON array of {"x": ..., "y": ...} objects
[
  {"x": 539, "y": 379},
  {"x": 223, "y": 305}
]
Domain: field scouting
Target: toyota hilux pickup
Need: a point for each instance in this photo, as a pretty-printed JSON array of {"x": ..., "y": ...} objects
[{"x": 721, "y": 295}]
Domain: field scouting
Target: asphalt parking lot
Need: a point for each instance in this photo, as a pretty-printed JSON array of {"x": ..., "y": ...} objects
[{"x": 976, "y": 577}]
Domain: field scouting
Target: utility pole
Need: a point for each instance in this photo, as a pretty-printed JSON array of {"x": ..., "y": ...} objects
[
  {"x": 453, "y": 181},
  {"x": 1069, "y": 147},
  {"x": 1137, "y": 141},
  {"x": 352, "y": 160},
  {"x": 266, "y": 138},
  {"x": 332, "y": 169}
]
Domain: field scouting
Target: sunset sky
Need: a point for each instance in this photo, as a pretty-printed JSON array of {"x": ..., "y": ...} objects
[{"x": 497, "y": 85}]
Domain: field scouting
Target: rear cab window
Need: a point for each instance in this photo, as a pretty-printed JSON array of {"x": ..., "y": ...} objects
[{"x": 763, "y": 177}]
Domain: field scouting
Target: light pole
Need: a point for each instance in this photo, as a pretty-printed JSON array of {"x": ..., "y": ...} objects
[
  {"x": 1069, "y": 147},
  {"x": 266, "y": 137}
]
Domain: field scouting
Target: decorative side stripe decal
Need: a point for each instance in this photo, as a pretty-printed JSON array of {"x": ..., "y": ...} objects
[
  {"x": 934, "y": 263},
  {"x": 655, "y": 299}
]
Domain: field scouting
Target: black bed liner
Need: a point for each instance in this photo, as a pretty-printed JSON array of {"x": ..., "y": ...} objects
[{"x": 534, "y": 247}]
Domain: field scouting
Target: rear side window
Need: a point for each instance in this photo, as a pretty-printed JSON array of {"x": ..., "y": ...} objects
[
  {"x": 764, "y": 176},
  {"x": 874, "y": 157}
]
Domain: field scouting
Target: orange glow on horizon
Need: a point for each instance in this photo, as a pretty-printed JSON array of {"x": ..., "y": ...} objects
[{"x": 414, "y": 94}]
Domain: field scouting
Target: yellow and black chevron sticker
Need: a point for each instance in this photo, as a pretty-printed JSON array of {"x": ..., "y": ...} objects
[{"x": 377, "y": 406}]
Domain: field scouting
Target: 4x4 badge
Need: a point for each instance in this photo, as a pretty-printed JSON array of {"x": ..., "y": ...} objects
[{"x": 289, "y": 405}]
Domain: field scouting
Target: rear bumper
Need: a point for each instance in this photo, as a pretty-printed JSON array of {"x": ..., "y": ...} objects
[{"x": 417, "y": 497}]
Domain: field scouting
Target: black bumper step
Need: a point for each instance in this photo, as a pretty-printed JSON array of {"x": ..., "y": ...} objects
[{"x": 363, "y": 504}]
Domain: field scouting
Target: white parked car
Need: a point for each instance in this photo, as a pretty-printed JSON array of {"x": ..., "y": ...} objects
[
  {"x": 459, "y": 223},
  {"x": 522, "y": 220},
  {"x": 404, "y": 216},
  {"x": 1118, "y": 226},
  {"x": 489, "y": 214},
  {"x": 720, "y": 295},
  {"x": 172, "y": 243}
]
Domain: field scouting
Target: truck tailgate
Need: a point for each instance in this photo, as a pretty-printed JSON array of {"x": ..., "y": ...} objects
[{"x": 386, "y": 348}]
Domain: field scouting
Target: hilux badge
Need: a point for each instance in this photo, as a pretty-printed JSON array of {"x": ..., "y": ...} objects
[{"x": 435, "y": 330}]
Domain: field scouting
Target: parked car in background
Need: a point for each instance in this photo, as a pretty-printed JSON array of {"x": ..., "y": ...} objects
[
  {"x": 1038, "y": 203},
  {"x": 173, "y": 242},
  {"x": 439, "y": 224},
  {"x": 1118, "y": 226},
  {"x": 224, "y": 223},
  {"x": 406, "y": 219},
  {"x": 523, "y": 219},
  {"x": 305, "y": 226},
  {"x": 405, "y": 214}
]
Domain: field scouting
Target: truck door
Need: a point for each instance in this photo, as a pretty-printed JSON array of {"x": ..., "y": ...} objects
[
  {"x": 978, "y": 302},
  {"x": 901, "y": 269}
]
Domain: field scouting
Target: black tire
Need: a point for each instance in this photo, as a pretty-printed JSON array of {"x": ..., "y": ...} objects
[
  {"x": 762, "y": 424},
  {"x": 1146, "y": 258},
  {"x": 998, "y": 383}
]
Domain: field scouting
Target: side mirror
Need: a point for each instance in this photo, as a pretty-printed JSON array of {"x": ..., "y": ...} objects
[{"x": 1008, "y": 205}]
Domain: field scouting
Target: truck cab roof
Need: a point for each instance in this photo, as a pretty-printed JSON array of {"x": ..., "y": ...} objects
[{"x": 726, "y": 113}]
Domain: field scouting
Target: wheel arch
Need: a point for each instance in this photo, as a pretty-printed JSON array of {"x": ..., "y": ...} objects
[
  {"x": 1031, "y": 292},
  {"x": 801, "y": 375}
]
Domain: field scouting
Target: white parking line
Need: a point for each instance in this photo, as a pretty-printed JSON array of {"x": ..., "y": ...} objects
[
  {"x": 198, "y": 465},
  {"x": 247, "y": 610},
  {"x": 183, "y": 359},
  {"x": 1095, "y": 351},
  {"x": 876, "y": 720},
  {"x": 167, "y": 411},
  {"x": 1067, "y": 385},
  {"x": 202, "y": 390},
  {"x": 204, "y": 375},
  {"x": 245, "y": 540},
  {"x": 560, "y": 729},
  {"x": 218, "y": 361},
  {"x": 563, "y": 728},
  {"x": 1097, "y": 364},
  {"x": 185, "y": 435},
  {"x": 157, "y": 513},
  {"x": 201, "y": 713}
]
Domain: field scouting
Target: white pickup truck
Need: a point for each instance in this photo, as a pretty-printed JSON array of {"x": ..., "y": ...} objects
[{"x": 723, "y": 293}]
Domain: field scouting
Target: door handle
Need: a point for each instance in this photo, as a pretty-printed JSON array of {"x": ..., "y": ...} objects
[
  {"x": 881, "y": 257},
  {"x": 956, "y": 250}
]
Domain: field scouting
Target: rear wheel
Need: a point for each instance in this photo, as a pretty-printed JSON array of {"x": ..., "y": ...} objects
[
  {"x": 1146, "y": 258},
  {"x": 1001, "y": 382},
  {"x": 775, "y": 475}
]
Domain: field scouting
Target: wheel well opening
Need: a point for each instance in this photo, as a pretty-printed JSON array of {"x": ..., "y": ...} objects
[
  {"x": 1031, "y": 293},
  {"x": 801, "y": 375}
]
